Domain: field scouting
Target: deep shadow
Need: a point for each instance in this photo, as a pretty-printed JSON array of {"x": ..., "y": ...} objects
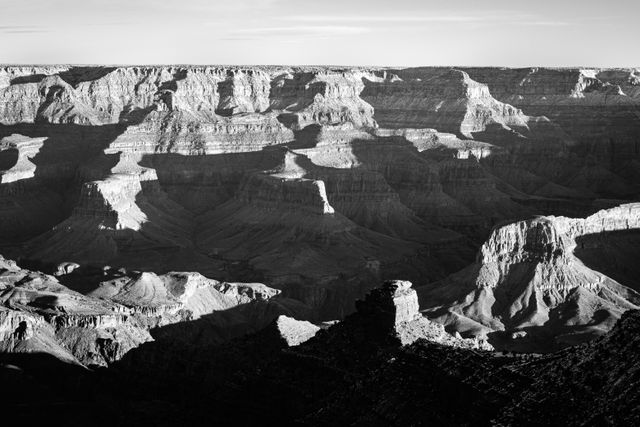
[
  {"x": 73, "y": 75},
  {"x": 554, "y": 150},
  {"x": 348, "y": 369},
  {"x": 31, "y": 78},
  {"x": 219, "y": 174},
  {"x": 172, "y": 85},
  {"x": 411, "y": 173},
  {"x": 76, "y": 75},
  {"x": 8, "y": 158},
  {"x": 45, "y": 301},
  {"x": 615, "y": 254},
  {"x": 87, "y": 278},
  {"x": 49, "y": 196},
  {"x": 37, "y": 388},
  {"x": 66, "y": 146},
  {"x": 352, "y": 374}
]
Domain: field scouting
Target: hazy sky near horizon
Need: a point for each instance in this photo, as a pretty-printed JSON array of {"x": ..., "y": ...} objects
[{"x": 345, "y": 32}]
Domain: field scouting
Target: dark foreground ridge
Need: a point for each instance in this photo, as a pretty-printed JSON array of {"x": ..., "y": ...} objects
[{"x": 356, "y": 372}]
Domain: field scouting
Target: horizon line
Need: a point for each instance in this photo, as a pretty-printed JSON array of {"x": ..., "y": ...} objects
[{"x": 392, "y": 66}]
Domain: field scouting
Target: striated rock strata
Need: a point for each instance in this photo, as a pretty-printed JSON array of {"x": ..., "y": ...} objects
[
  {"x": 529, "y": 285},
  {"x": 38, "y": 314},
  {"x": 322, "y": 181}
]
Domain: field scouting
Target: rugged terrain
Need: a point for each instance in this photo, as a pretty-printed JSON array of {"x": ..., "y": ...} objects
[
  {"x": 152, "y": 217},
  {"x": 530, "y": 290},
  {"x": 383, "y": 365}
]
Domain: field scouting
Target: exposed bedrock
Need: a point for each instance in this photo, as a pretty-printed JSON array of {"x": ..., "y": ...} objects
[
  {"x": 123, "y": 215},
  {"x": 360, "y": 191},
  {"x": 109, "y": 95},
  {"x": 179, "y": 132},
  {"x": 322, "y": 181},
  {"x": 393, "y": 309},
  {"x": 598, "y": 108},
  {"x": 203, "y": 182},
  {"x": 119, "y": 91},
  {"x": 367, "y": 199},
  {"x": 569, "y": 124},
  {"x": 26, "y": 206},
  {"x": 321, "y": 97},
  {"x": 285, "y": 227},
  {"x": 38, "y": 173},
  {"x": 17, "y": 152},
  {"x": 473, "y": 186},
  {"x": 445, "y": 99},
  {"x": 289, "y": 331},
  {"x": 48, "y": 317},
  {"x": 123, "y": 311},
  {"x": 398, "y": 159},
  {"x": 529, "y": 284},
  {"x": 286, "y": 187}
]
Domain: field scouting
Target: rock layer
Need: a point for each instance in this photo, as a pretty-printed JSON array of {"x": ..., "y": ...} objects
[
  {"x": 38, "y": 314},
  {"x": 528, "y": 281},
  {"x": 319, "y": 180}
]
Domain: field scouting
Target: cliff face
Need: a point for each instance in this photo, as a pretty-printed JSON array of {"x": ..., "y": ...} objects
[
  {"x": 355, "y": 372},
  {"x": 118, "y": 313},
  {"x": 318, "y": 180},
  {"x": 597, "y": 108},
  {"x": 529, "y": 284},
  {"x": 447, "y": 100}
]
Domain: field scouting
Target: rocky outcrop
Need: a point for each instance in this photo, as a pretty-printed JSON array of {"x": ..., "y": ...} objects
[
  {"x": 320, "y": 180},
  {"x": 394, "y": 309},
  {"x": 290, "y": 331},
  {"x": 127, "y": 208},
  {"x": 351, "y": 375},
  {"x": 379, "y": 181},
  {"x": 563, "y": 116},
  {"x": 17, "y": 152},
  {"x": 543, "y": 86},
  {"x": 38, "y": 314},
  {"x": 594, "y": 382},
  {"x": 528, "y": 281},
  {"x": 596, "y": 107},
  {"x": 448, "y": 100},
  {"x": 41, "y": 315},
  {"x": 206, "y": 92},
  {"x": 181, "y": 132},
  {"x": 24, "y": 200},
  {"x": 282, "y": 223},
  {"x": 286, "y": 186},
  {"x": 176, "y": 297},
  {"x": 593, "y": 385},
  {"x": 406, "y": 168},
  {"x": 321, "y": 97}
]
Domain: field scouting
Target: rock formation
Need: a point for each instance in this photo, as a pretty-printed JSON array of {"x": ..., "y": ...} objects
[
  {"x": 291, "y": 331},
  {"x": 599, "y": 373},
  {"x": 38, "y": 314},
  {"x": 447, "y": 100},
  {"x": 597, "y": 108},
  {"x": 352, "y": 374},
  {"x": 393, "y": 308},
  {"x": 123, "y": 215},
  {"x": 319, "y": 181},
  {"x": 528, "y": 282}
]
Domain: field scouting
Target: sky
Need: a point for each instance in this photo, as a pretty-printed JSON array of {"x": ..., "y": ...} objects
[{"x": 512, "y": 33}]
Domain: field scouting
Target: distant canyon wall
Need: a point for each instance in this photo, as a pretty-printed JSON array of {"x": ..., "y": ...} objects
[{"x": 320, "y": 180}]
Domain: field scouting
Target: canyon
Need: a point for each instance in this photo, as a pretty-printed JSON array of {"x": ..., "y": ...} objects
[{"x": 190, "y": 219}]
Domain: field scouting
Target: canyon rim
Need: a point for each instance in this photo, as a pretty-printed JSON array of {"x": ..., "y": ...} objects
[{"x": 362, "y": 245}]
